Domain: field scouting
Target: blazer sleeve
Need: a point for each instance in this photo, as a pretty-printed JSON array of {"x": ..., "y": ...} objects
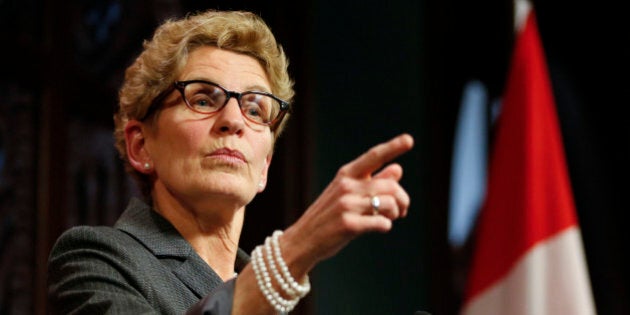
[{"x": 218, "y": 302}]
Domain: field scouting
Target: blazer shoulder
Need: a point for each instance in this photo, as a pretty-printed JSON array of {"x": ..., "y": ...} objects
[
  {"x": 92, "y": 234},
  {"x": 98, "y": 238}
]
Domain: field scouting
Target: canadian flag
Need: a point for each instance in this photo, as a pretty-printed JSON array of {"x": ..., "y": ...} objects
[{"x": 528, "y": 256}]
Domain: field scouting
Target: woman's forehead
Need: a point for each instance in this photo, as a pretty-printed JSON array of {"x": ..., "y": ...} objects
[{"x": 230, "y": 69}]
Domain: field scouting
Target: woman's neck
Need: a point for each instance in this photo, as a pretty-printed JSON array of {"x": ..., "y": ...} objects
[{"x": 212, "y": 232}]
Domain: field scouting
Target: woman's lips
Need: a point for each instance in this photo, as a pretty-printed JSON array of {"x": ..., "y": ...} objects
[{"x": 227, "y": 154}]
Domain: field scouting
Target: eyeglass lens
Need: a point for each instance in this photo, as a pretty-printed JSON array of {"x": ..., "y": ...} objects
[{"x": 208, "y": 98}]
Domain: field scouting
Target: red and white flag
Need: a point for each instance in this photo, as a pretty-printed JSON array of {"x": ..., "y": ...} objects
[{"x": 528, "y": 256}]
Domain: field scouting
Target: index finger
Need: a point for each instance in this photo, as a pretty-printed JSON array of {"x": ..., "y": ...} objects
[{"x": 378, "y": 155}]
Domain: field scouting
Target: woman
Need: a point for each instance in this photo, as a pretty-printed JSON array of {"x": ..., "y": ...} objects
[{"x": 200, "y": 110}]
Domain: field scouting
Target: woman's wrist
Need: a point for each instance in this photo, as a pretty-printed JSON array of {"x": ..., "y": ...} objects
[
  {"x": 297, "y": 253},
  {"x": 274, "y": 277}
]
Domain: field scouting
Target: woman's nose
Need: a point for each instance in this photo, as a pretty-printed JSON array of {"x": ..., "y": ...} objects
[{"x": 230, "y": 119}]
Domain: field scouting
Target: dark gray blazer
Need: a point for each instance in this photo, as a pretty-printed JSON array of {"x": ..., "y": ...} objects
[{"x": 142, "y": 265}]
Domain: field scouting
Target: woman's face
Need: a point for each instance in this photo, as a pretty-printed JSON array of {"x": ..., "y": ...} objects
[{"x": 217, "y": 160}]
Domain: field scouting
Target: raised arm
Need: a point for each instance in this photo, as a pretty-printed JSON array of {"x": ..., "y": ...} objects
[{"x": 342, "y": 212}]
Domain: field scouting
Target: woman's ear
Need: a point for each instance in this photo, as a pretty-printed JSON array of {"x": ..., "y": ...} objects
[
  {"x": 263, "y": 178},
  {"x": 137, "y": 153}
]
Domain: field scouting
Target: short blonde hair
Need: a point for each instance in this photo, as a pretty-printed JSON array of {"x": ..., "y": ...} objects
[{"x": 160, "y": 63}]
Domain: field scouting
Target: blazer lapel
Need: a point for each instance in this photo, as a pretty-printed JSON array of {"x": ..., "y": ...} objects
[
  {"x": 164, "y": 241},
  {"x": 197, "y": 276}
]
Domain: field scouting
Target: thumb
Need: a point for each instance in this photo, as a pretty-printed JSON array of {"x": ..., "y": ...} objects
[{"x": 393, "y": 171}]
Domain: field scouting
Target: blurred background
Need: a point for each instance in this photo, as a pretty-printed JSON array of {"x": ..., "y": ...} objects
[{"x": 365, "y": 71}]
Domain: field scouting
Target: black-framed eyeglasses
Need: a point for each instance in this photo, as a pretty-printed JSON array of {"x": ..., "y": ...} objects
[{"x": 206, "y": 97}]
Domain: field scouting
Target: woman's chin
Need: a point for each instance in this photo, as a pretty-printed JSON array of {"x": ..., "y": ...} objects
[{"x": 241, "y": 191}]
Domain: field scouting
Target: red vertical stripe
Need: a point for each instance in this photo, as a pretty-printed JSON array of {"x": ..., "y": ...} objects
[{"x": 529, "y": 194}]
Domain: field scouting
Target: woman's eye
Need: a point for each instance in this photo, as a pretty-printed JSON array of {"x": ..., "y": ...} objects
[
  {"x": 253, "y": 111},
  {"x": 201, "y": 100},
  {"x": 205, "y": 97}
]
